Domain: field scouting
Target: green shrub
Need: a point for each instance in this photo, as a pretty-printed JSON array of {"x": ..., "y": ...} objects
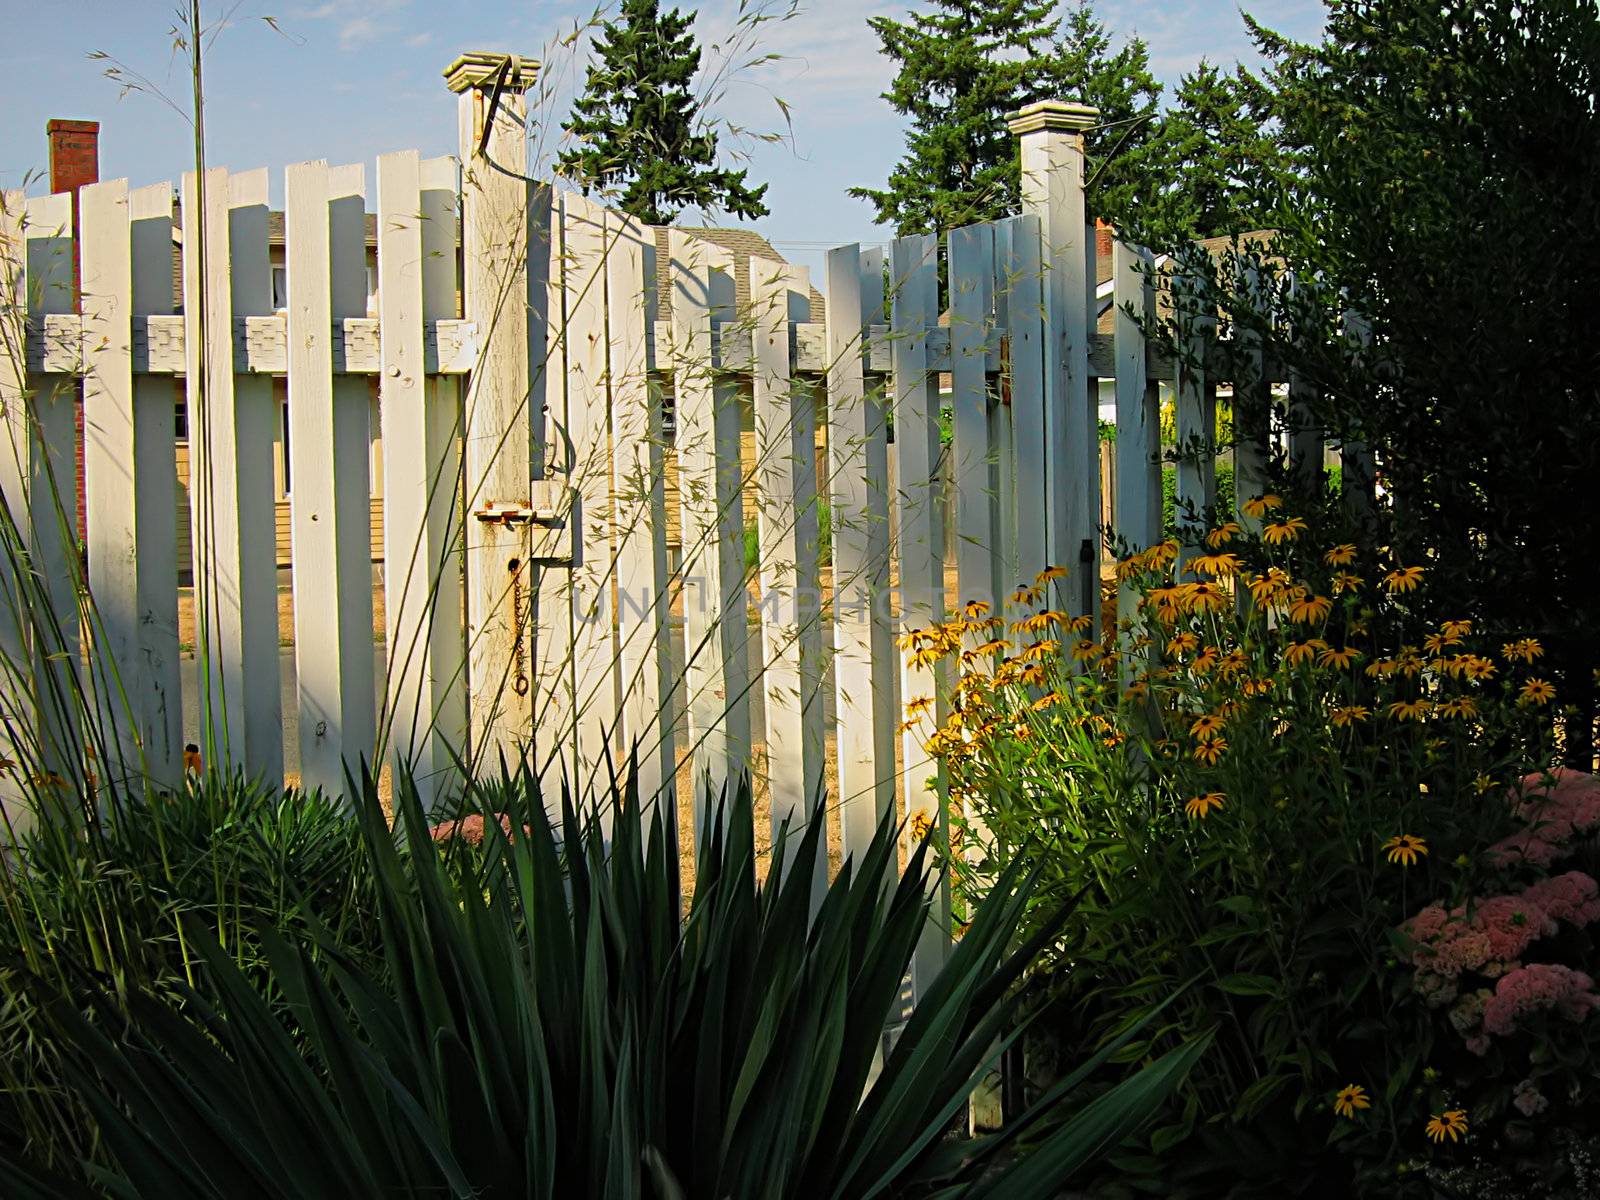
[
  {"x": 139, "y": 900},
  {"x": 1253, "y": 785},
  {"x": 556, "y": 1028}
]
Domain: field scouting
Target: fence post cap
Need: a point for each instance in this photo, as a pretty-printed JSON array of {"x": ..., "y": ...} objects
[
  {"x": 1051, "y": 115},
  {"x": 480, "y": 68}
]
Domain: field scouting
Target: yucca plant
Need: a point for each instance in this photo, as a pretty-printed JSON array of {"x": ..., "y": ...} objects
[{"x": 555, "y": 1025}]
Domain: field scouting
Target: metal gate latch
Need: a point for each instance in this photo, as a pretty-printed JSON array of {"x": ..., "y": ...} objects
[{"x": 551, "y": 514}]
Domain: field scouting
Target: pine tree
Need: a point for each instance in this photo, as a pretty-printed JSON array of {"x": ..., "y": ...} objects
[
  {"x": 1216, "y": 164},
  {"x": 638, "y": 135},
  {"x": 963, "y": 67},
  {"x": 1118, "y": 82}
]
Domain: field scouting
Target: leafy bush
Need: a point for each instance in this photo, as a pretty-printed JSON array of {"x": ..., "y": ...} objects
[
  {"x": 144, "y": 900},
  {"x": 559, "y": 1030},
  {"x": 1255, "y": 782}
]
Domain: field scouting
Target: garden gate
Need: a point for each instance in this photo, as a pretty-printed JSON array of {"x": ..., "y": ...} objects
[{"x": 528, "y": 591}]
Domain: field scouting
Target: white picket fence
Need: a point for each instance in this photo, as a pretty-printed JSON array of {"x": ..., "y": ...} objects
[{"x": 531, "y": 604}]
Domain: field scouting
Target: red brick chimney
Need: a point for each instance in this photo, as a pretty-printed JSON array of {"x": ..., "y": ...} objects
[{"x": 74, "y": 162}]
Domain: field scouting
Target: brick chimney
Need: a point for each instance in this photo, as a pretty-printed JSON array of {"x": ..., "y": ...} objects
[{"x": 74, "y": 162}]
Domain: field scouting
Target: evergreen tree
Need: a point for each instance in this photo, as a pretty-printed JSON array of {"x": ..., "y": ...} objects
[
  {"x": 1117, "y": 81},
  {"x": 638, "y": 134},
  {"x": 1215, "y": 166},
  {"x": 963, "y": 67}
]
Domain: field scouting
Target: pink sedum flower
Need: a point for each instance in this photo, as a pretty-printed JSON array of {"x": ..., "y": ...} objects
[{"x": 1538, "y": 987}]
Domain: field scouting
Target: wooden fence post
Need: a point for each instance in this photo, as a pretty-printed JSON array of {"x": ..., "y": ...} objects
[
  {"x": 425, "y": 687},
  {"x": 497, "y": 238},
  {"x": 1051, "y": 132}
]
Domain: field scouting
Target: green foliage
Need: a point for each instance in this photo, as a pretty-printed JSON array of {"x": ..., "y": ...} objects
[
  {"x": 1224, "y": 783},
  {"x": 640, "y": 137},
  {"x": 136, "y": 899},
  {"x": 551, "y": 1026},
  {"x": 964, "y": 67},
  {"x": 1448, "y": 188},
  {"x": 752, "y": 540},
  {"x": 1212, "y": 168}
]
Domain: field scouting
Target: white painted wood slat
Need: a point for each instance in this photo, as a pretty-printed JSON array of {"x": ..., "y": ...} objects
[
  {"x": 715, "y": 625},
  {"x": 866, "y": 783},
  {"x": 1138, "y": 447},
  {"x": 425, "y": 689},
  {"x": 130, "y": 481},
  {"x": 791, "y": 615},
  {"x": 638, "y": 468},
  {"x": 919, "y": 504},
  {"x": 594, "y": 705},
  {"x": 329, "y": 488},
  {"x": 1022, "y": 274},
  {"x": 1196, "y": 412},
  {"x": 977, "y": 524},
  {"x": 232, "y": 424}
]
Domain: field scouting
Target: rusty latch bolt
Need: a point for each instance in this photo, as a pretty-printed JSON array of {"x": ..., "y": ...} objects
[{"x": 508, "y": 512}]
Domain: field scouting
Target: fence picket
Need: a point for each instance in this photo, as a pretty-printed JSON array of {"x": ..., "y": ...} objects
[
  {"x": 232, "y": 422},
  {"x": 594, "y": 714},
  {"x": 1138, "y": 447},
  {"x": 38, "y": 478},
  {"x": 325, "y": 226},
  {"x": 130, "y": 482},
  {"x": 1021, "y": 272},
  {"x": 715, "y": 623},
  {"x": 866, "y": 785},
  {"x": 919, "y": 505},
  {"x": 424, "y": 692},
  {"x": 1252, "y": 414},
  {"x": 971, "y": 301},
  {"x": 639, "y": 484},
  {"x": 1196, "y": 411},
  {"x": 791, "y": 615}
]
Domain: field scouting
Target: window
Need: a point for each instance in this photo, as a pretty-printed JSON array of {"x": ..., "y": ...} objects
[{"x": 280, "y": 288}]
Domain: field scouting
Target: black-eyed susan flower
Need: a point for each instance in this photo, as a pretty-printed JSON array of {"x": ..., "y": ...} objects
[
  {"x": 1200, "y": 807},
  {"x": 1256, "y": 687},
  {"x": 1026, "y": 594},
  {"x": 921, "y": 825},
  {"x": 919, "y": 706},
  {"x": 1296, "y": 653},
  {"x": 1032, "y": 675},
  {"x": 1405, "y": 579},
  {"x": 1211, "y": 752},
  {"x": 1351, "y": 1099},
  {"x": 1085, "y": 649},
  {"x": 1340, "y": 658},
  {"x": 1410, "y": 710},
  {"x": 1536, "y": 691},
  {"x": 1203, "y": 662},
  {"x": 1223, "y": 534},
  {"x": 1135, "y": 691},
  {"x": 1349, "y": 714},
  {"x": 1344, "y": 581},
  {"x": 1219, "y": 566},
  {"x": 1203, "y": 598},
  {"x": 1259, "y": 506},
  {"x": 1525, "y": 649},
  {"x": 1478, "y": 668},
  {"x": 973, "y": 609},
  {"x": 1206, "y": 727},
  {"x": 1307, "y": 610},
  {"x": 1340, "y": 556},
  {"x": 1279, "y": 533},
  {"x": 1454, "y": 631},
  {"x": 1406, "y": 849},
  {"x": 1049, "y": 574},
  {"x": 1452, "y": 1124},
  {"x": 1460, "y": 707},
  {"x": 927, "y": 656},
  {"x": 1048, "y": 700},
  {"x": 1183, "y": 642}
]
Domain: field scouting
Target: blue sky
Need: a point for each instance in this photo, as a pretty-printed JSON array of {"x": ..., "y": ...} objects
[{"x": 347, "y": 80}]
